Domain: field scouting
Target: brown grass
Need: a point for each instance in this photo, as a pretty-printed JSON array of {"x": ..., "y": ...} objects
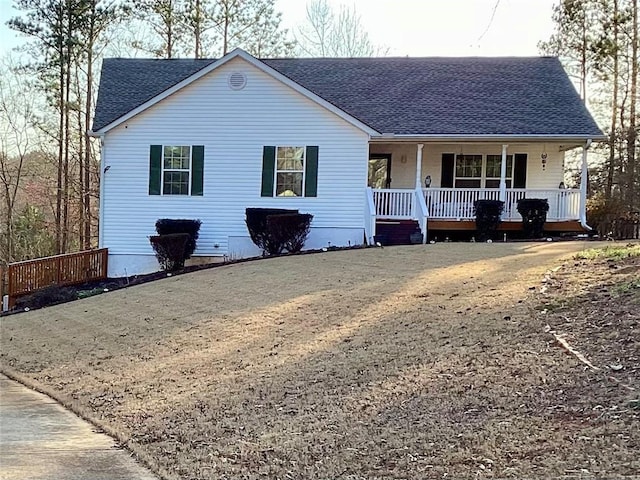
[{"x": 405, "y": 362}]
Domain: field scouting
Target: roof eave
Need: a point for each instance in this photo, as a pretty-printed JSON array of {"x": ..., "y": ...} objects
[{"x": 435, "y": 138}]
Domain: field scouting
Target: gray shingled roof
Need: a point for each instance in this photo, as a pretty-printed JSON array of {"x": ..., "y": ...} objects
[{"x": 410, "y": 96}]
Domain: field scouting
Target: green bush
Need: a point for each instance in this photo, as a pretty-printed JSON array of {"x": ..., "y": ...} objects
[
  {"x": 167, "y": 226},
  {"x": 276, "y": 230},
  {"x": 288, "y": 232},
  {"x": 256, "y": 220},
  {"x": 170, "y": 250},
  {"x": 534, "y": 215},
  {"x": 487, "y": 214}
]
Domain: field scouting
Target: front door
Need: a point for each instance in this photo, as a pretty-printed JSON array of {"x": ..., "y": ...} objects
[{"x": 380, "y": 170}]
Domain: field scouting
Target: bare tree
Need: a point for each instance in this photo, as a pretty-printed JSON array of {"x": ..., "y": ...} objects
[
  {"x": 45, "y": 23},
  {"x": 253, "y": 25},
  {"x": 331, "y": 34},
  {"x": 16, "y": 117},
  {"x": 315, "y": 37}
]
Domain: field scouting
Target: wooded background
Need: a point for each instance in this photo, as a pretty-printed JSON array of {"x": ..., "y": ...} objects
[{"x": 49, "y": 166}]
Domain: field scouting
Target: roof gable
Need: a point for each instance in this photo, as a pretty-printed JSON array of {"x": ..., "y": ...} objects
[
  {"x": 162, "y": 80},
  {"x": 509, "y": 96},
  {"x": 125, "y": 84}
]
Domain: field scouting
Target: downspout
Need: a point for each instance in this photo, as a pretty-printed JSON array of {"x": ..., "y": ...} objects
[{"x": 583, "y": 187}]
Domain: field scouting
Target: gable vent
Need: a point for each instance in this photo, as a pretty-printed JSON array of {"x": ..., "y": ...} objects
[{"x": 237, "y": 81}]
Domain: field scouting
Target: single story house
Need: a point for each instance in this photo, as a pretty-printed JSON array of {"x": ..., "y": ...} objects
[{"x": 357, "y": 142}]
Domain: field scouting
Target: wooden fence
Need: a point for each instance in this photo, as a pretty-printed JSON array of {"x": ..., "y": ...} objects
[
  {"x": 62, "y": 270},
  {"x": 626, "y": 227}
]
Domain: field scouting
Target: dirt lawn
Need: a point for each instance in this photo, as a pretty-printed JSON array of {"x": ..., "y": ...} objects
[{"x": 404, "y": 362}]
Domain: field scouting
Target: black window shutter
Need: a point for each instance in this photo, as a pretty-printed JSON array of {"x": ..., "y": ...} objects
[
  {"x": 197, "y": 169},
  {"x": 520, "y": 170},
  {"x": 155, "y": 169},
  {"x": 311, "y": 172},
  {"x": 268, "y": 170},
  {"x": 448, "y": 165}
]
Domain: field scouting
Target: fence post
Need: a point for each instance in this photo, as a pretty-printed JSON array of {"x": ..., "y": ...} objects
[
  {"x": 10, "y": 286},
  {"x": 102, "y": 262},
  {"x": 58, "y": 270}
]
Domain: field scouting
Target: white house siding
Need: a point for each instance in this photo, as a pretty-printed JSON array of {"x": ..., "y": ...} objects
[
  {"x": 233, "y": 126},
  {"x": 403, "y": 161}
]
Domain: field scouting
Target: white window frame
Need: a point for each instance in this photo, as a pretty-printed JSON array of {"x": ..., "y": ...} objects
[
  {"x": 509, "y": 175},
  {"x": 483, "y": 176},
  {"x": 455, "y": 169},
  {"x": 188, "y": 170},
  {"x": 303, "y": 171}
]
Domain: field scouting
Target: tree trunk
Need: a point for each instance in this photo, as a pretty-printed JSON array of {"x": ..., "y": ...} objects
[
  {"x": 225, "y": 39},
  {"x": 198, "y": 29},
  {"x": 614, "y": 107},
  {"x": 86, "y": 185},
  {"x": 8, "y": 220},
  {"x": 65, "y": 204},
  {"x": 81, "y": 153},
  {"x": 170, "y": 31},
  {"x": 632, "y": 135},
  {"x": 58, "y": 213},
  {"x": 583, "y": 58}
]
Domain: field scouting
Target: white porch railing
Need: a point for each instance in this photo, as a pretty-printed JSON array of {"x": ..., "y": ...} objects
[
  {"x": 457, "y": 203},
  {"x": 421, "y": 212},
  {"x": 564, "y": 204},
  {"x": 370, "y": 217},
  {"x": 394, "y": 203}
]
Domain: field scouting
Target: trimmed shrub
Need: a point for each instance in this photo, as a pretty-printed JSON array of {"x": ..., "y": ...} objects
[
  {"x": 170, "y": 250},
  {"x": 168, "y": 226},
  {"x": 256, "y": 220},
  {"x": 487, "y": 214},
  {"x": 534, "y": 215},
  {"x": 288, "y": 232}
]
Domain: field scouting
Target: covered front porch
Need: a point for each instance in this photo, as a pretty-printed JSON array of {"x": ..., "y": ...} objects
[{"x": 436, "y": 184}]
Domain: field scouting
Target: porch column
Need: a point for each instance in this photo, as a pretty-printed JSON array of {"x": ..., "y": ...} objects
[
  {"x": 419, "y": 166},
  {"x": 584, "y": 178},
  {"x": 503, "y": 174}
]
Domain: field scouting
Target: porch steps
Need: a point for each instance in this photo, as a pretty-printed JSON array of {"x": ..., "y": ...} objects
[{"x": 395, "y": 232}]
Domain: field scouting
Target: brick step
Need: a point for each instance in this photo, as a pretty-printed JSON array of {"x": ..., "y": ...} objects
[{"x": 396, "y": 232}]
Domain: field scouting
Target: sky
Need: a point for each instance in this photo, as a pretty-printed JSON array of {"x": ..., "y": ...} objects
[
  {"x": 418, "y": 27},
  {"x": 446, "y": 27}
]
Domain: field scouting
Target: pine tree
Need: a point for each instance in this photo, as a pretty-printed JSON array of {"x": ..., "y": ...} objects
[
  {"x": 252, "y": 25},
  {"x": 164, "y": 17}
]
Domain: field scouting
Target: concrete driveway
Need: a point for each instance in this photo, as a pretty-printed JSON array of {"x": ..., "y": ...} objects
[{"x": 40, "y": 440}]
